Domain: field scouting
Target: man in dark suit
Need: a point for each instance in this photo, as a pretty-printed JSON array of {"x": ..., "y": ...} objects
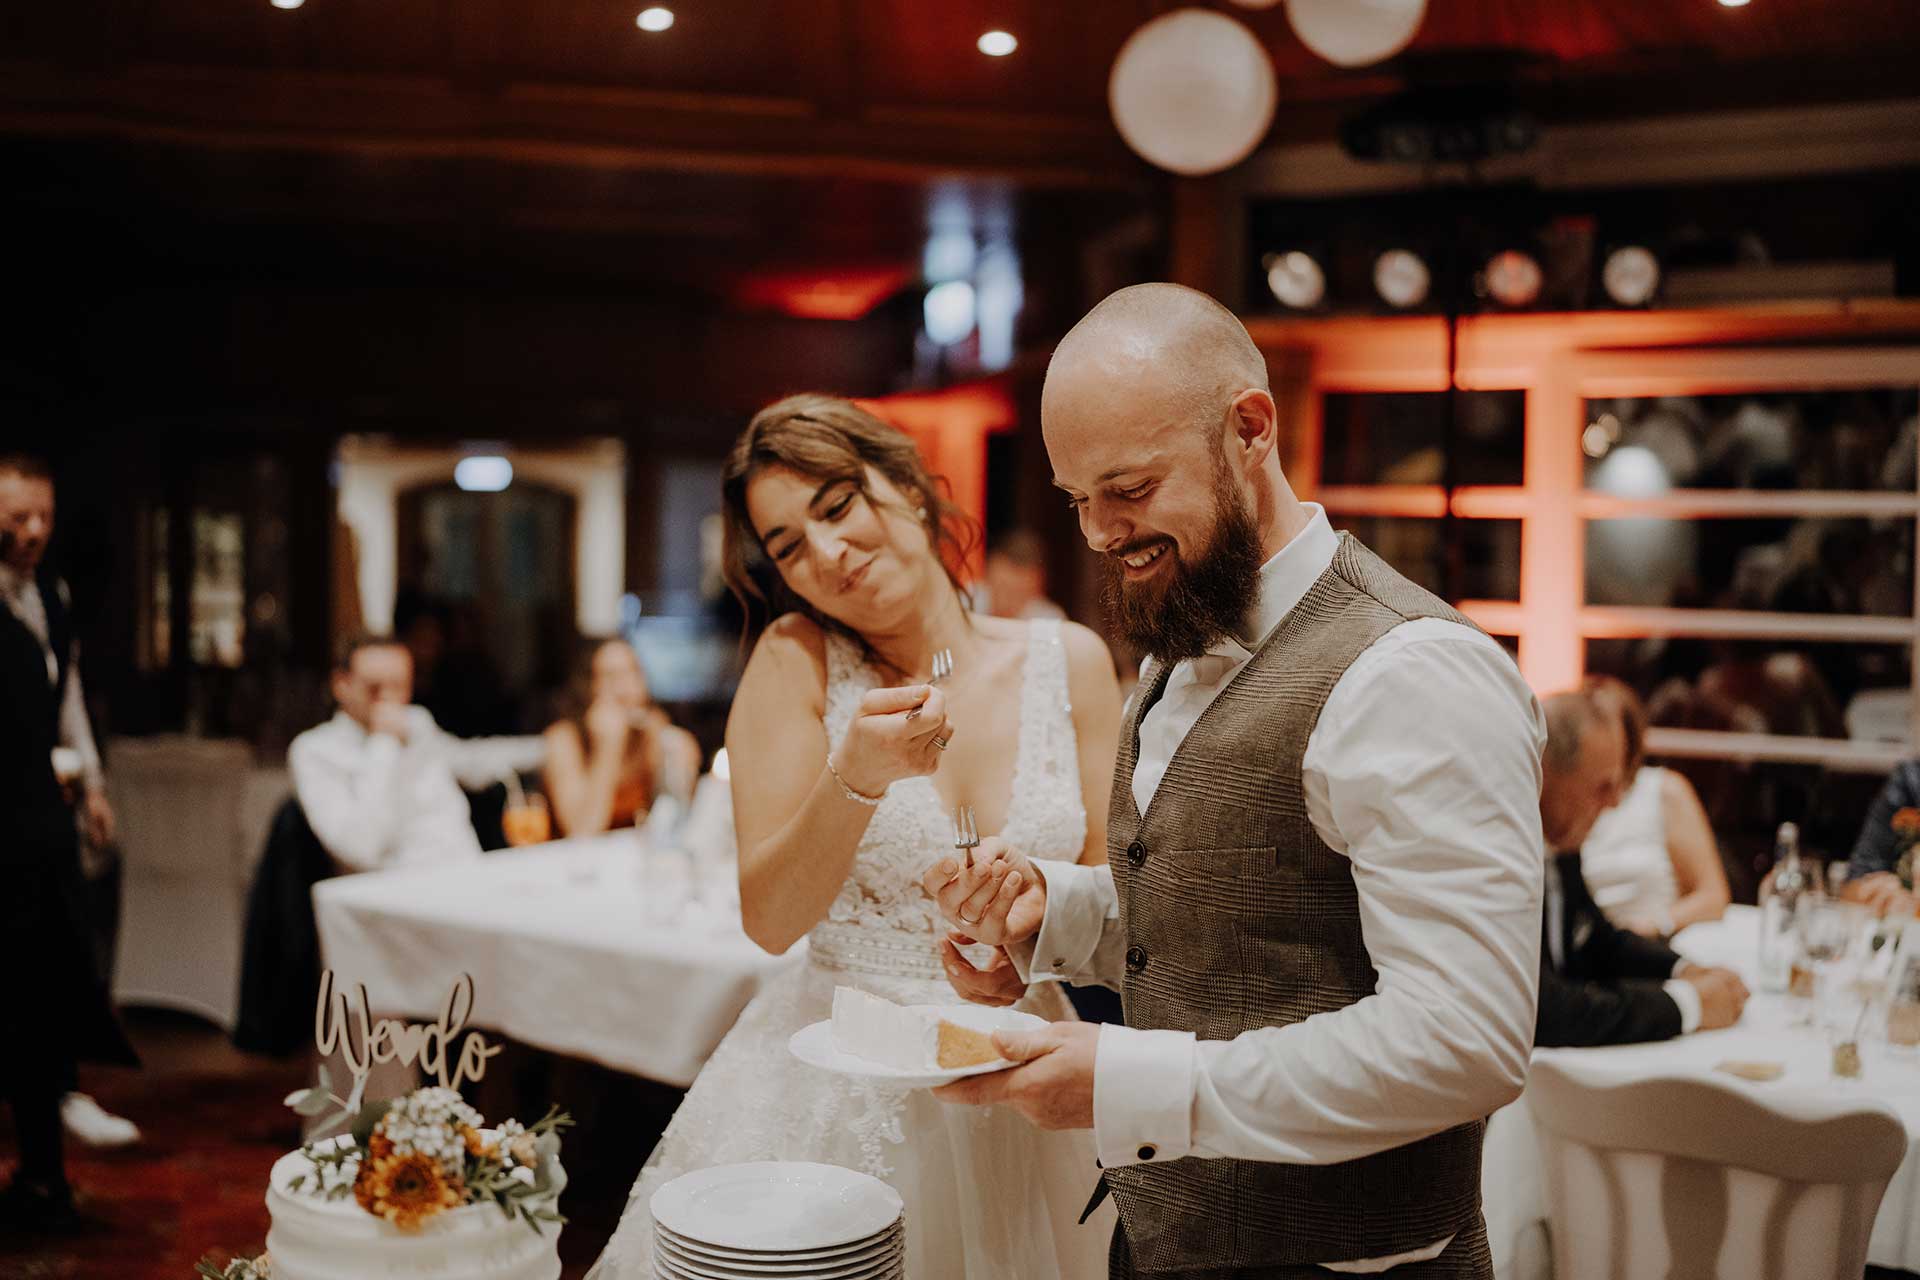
[
  {"x": 56, "y": 1009},
  {"x": 1601, "y": 984}
]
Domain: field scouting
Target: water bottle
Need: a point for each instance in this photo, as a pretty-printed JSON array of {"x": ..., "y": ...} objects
[{"x": 1779, "y": 904}]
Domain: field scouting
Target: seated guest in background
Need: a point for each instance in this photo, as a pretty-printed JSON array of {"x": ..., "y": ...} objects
[
  {"x": 1875, "y": 873},
  {"x": 1599, "y": 983},
  {"x": 608, "y": 762},
  {"x": 1015, "y": 582},
  {"x": 1651, "y": 860},
  {"x": 380, "y": 783}
]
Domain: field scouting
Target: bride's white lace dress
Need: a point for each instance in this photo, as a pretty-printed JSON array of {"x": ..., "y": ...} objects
[{"x": 987, "y": 1194}]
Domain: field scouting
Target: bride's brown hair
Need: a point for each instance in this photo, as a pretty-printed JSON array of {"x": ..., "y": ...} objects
[{"x": 827, "y": 438}]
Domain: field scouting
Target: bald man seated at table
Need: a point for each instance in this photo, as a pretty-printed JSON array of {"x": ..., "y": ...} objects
[
  {"x": 1601, "y": 984},
  {"x": 381, "y": 783}
]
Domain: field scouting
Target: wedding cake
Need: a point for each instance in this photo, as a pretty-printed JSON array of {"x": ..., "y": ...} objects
[
  {"x": 417, "y": 1187},
  {"x": 426, "y": 1194},
  {"x": 872, "y": 1027}
]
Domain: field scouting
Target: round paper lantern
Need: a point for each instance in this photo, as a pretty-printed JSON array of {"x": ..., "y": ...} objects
[
  {"x": 1192, "y": 91},
  {"x": 1353, "y": 33}
]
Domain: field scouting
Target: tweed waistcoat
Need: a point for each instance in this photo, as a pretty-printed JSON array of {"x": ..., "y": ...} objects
[{"x": 1239, "y": 916}]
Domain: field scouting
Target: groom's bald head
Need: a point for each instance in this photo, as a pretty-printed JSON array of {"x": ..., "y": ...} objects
[{"x": 1163, "y": 349}]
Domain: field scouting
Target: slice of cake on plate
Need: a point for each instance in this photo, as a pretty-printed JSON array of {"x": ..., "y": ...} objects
[{"x": 872, "y": 1027}]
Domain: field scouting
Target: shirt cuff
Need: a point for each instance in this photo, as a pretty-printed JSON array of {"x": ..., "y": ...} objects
[
  {"x": 1683, "y": 994},
  {"x": 1070, "y": 931},
  {"x": 1142, "y": 1095}
]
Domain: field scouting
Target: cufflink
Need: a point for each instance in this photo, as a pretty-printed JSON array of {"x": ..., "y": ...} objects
[
  {"x": 1147, "y": 1151},
  {"x": 1059, "y": 962}
]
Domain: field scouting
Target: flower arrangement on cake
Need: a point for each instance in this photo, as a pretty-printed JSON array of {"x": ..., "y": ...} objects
[
  {"x": 407, "y": 1159},
  {"x": 260, "y": 1268}
]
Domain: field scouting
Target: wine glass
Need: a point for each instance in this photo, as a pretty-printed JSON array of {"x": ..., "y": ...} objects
[{"x": 1828, "y": 931}]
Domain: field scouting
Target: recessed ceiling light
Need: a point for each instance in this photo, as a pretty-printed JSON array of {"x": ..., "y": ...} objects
[
  {"x": 998, "y": 44},
  {"x": 287, "y": 4},
  {"x": 654, "y": 19},
  {"x": 1733, "y": 4}
]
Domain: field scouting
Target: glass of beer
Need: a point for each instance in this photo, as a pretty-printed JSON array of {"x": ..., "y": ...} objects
[{"x": 526, "y": 820}]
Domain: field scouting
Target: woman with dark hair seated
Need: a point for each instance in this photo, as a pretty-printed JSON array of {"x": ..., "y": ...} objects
[{"x": 609, "y": 762}]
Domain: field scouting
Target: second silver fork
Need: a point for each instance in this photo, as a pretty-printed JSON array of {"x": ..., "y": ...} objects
[{"x": 966, "y": 833}]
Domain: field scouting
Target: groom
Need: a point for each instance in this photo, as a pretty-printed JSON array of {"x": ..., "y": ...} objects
[{"x": 1323, "y": 892}]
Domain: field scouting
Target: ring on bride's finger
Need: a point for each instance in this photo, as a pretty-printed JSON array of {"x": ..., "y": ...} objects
[{"x": 942, "y": 742}]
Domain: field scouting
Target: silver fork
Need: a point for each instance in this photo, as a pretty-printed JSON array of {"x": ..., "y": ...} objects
[
  {"x": 966, "y": 833},
  {"x": 942, "y": 669}
]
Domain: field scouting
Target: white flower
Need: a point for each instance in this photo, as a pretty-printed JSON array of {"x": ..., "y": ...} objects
[{"x": 522, "y": 1175}]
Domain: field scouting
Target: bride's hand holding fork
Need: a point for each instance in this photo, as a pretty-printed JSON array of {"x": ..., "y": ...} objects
[{"x": 997, "y": 898}]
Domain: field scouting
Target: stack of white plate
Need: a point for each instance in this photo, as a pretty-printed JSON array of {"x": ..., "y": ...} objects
[{"x": 778, "y": 1220}]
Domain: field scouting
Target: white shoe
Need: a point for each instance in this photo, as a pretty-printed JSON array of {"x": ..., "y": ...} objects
[{"x": 94, "y": 1125}]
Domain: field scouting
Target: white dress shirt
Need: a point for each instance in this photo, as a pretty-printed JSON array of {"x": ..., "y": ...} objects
[
  {"x": 1423, "y": 770},
  {"x": 22, "y": 596},
  {"x": 375, "y": 801}
]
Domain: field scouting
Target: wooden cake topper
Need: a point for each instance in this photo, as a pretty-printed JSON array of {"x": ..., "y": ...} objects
[{"x": 431, "y": 1044}]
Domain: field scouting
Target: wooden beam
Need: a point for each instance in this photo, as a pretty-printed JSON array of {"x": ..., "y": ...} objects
[{"x": 594, "y": 128}]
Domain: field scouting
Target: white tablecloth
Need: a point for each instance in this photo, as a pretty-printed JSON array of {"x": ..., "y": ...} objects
[
  {"x": 561, "y": 950},
  {"x": 1511, "y": 1172}
]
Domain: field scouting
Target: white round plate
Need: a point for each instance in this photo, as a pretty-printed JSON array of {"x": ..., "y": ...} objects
[
  {"x": 814, "y": 1046},
  {"x": 892, "y": 1269},
  {"x": 858, "y": 1251},
  {"x": 820, "y": 1269},
  {"x": 777, "y": 1206}
]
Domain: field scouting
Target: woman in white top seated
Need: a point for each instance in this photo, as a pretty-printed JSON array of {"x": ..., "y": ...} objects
[{"x": 1651, "y": 860}]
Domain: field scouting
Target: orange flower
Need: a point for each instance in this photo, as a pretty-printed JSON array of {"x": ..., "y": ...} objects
[
  {"x": 1907, "y": 822},
  {"x": 406, "y": 1190},
  {"x": 477, "y": 1145},
  {"x": 379, "y": 1146}
]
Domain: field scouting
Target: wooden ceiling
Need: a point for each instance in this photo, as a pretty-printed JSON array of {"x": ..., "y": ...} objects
[{"x": 775, "y": 132}]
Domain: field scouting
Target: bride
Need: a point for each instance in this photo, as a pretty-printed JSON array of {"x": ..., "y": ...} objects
[{"x": 848, "y": 762}]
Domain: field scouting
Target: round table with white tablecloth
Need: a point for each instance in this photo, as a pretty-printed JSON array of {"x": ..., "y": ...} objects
[
  {"x": 1511, "y": 1178},
  {"x": 584, "y": 947}
]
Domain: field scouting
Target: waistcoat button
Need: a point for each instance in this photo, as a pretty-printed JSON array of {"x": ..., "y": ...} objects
[
  {"x": 1136, "y": 854},
  {"x": 1136, "y": 959}
]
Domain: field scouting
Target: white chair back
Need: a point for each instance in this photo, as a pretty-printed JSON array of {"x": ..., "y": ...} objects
[{"x": 1694, "y": 1179}]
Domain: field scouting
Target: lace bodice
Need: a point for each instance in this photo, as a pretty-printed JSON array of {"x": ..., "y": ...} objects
[{"x": 882, "y": 920}]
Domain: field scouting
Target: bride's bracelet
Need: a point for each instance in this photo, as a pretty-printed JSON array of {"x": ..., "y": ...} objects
[{"x": 858, "y": 797}]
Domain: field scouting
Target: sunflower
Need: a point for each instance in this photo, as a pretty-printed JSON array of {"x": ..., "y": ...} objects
[{"x": 406, "y": 1190}]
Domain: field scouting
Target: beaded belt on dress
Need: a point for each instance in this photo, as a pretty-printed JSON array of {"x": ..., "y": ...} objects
[{"x": 865, "y": 949}]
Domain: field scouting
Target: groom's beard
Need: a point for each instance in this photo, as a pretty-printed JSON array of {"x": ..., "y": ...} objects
[{"x": 1200, "y": 602}]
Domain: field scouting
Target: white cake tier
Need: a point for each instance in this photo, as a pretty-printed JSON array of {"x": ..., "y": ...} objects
[{"x": 313, "y": 1238}]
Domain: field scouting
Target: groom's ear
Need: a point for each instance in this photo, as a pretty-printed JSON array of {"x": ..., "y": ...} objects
[{"x": 1255, "y": 422}]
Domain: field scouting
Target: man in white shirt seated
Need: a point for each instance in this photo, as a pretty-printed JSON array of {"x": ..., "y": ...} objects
[
  {"x": 381, "y": 783},
  {"x": 1599, "y": 983}
]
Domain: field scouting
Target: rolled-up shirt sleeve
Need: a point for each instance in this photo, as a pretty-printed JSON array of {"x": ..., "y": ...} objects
[
  {"x": 1424, "y": 769},
  {"x": 1080, "y": 937}
]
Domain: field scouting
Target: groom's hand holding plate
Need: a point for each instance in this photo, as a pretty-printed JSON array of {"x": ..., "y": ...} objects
[
  {"x": 1053, "y": 1085},
  {"x": 996, "y": 897}
]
